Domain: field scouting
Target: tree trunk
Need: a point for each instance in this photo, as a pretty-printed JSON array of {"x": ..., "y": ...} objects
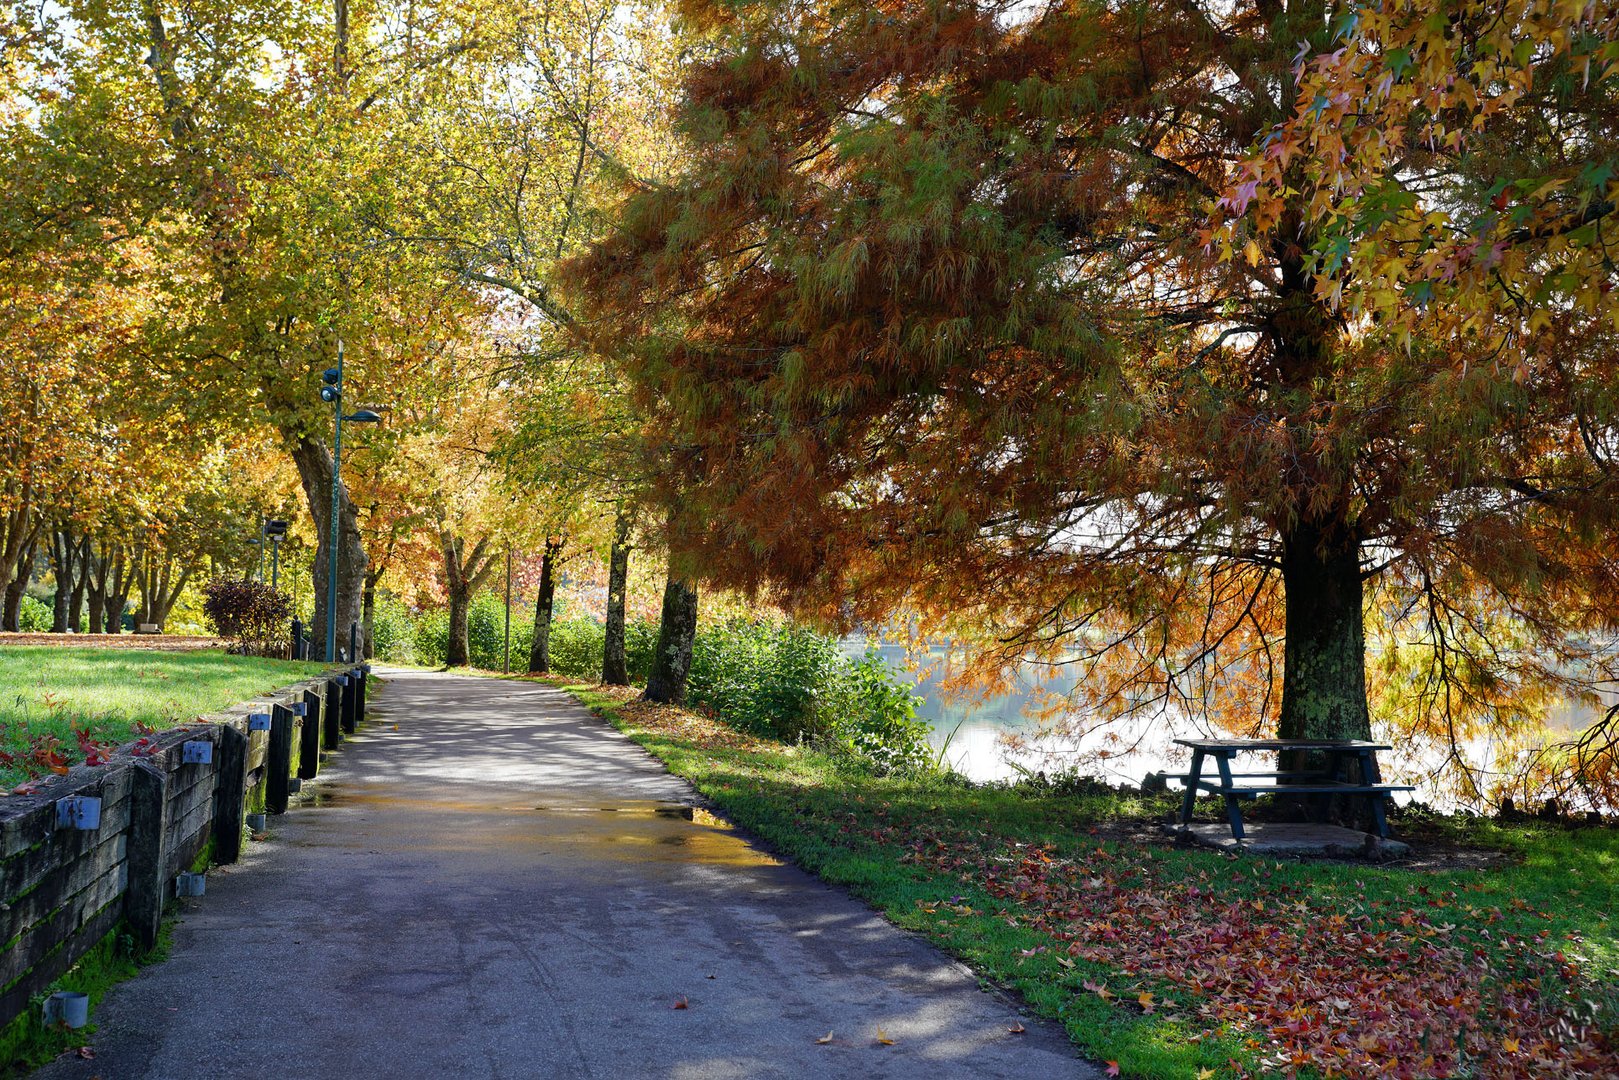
[
  {"x": 81, "y": 581},
  {"x": 368, "y": 616},
  {"x": 672, "y": 661},
  {"x": 314, "y": 461},
  {"x": 1324, "y": 673},
  {"x": 615, "y": 665},
  {"x": 97, "y": 604},
  {"x": 18, "y": 532},
  {"x": 164, "y": 600},
  {"x": 463, "y": 574},
  {"x": 63, "y": 552},
  {"x": 457, "y": 650},
  {"x": 539, "y": 654},
  {"x": 120, "y": 583},
  {"x": 12, "y": 618}
]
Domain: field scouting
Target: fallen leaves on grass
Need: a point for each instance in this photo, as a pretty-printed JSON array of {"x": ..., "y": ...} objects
[
  {"x": 685, "y": 724},
  {"x": 1344, "y": 985},
  {"x": 1340, "y": 984}
]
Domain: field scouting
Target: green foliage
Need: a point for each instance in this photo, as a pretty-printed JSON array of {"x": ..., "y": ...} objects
[
  {"x": 34, "y": 616},
  {"x": 793, "y": 684},
  {"x": 576, "y": 643},
  {"x": 393, "y": 631}
]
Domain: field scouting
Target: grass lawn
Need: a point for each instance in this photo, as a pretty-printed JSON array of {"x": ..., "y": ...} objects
[
  {"x": 1178, "y": 963},
  {"x": 46, "y": 692}
]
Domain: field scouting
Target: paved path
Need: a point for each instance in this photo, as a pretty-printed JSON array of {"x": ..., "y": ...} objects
[{"x": 501, "y": 885}]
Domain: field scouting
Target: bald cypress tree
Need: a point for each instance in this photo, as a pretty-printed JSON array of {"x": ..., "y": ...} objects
[{"x": 948, "y": 312}]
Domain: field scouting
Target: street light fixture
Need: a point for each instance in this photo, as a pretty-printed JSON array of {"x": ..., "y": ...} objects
[
  {"x": 332, "y": 392},
  {"x": 275, "y": 530}
]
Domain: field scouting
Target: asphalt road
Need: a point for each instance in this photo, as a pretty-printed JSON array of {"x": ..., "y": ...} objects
[{"x": 496, "y": 883}]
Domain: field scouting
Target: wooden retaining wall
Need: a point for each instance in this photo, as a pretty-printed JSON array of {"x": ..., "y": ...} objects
[{"x": 63, "y": 889}]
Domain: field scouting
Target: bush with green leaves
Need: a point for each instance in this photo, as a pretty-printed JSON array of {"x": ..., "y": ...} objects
[
  {"x": 577, "y": 645},
  {"x": 790, "y": 683},
  {"x": 393, "y": 631},
  {"x": 34, "y": 616}
]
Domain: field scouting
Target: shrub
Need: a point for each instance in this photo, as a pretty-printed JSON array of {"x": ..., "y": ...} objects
[
  {"x": 578, "y": 644},
  {"x": 793, "y": 684},
  {"x": 249, "y": 614},
  {"x": 34, "y": 616},
  {"x": 393, "y": 631}
]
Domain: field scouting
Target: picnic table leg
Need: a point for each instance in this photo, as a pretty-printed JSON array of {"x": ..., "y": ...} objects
[
  {"x": 1370, "y": 774},
  {"x": 1191, "y": 787},
  {"x": 1233, "y": 808}
]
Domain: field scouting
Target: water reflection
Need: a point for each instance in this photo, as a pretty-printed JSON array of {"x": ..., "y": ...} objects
[{"x": 969, "y": 734}]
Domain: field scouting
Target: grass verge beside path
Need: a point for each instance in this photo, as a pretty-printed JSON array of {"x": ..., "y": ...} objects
[
  {"x": 1173, "y": 963},
  {"x": 46, "y": 692}
]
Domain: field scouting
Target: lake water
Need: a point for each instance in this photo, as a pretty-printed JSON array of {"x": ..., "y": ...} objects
[{"x": 971, "y": 736}]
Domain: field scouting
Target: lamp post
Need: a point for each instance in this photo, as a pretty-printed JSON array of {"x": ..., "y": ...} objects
[
  {"x": 333, "y": 392},
  {"x": 275, "y": 530}
]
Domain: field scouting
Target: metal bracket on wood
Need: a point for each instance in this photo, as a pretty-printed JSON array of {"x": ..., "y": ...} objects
[
  {"x": 259, "y": 721},
  {"x": 197, "y": 752},
  {"x": 79, "y": 812}
]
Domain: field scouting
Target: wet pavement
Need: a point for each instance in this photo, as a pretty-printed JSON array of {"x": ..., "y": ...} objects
[{"x": 492, "y": 882}]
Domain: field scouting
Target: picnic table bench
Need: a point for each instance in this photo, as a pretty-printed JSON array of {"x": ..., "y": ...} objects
[{"x": 1320, "y": 783}]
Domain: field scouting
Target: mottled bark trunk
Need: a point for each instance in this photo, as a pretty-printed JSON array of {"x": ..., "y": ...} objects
[
  {"x": 539, "y": 653},
  {"x": 463, "y": 574},
  {"x": 120, "y": 583},
  {"x": 11, "y": 618},
  {"x": 314, "y": 462},
  {"x": 672, "y": 661},
  {"x": 457, "y": 650},
  {"x": 615, "y": 664},
  {"x": 18, "y": 531},
  {"x": 163, "y": 603},
  {"x": 369, "y": 616}
]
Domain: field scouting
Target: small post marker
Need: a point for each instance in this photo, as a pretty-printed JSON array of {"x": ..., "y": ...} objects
[{"x": 70, "y": 1008}]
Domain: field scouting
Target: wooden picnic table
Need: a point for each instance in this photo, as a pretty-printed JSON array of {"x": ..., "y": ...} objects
[{"x": 1319, "y": 783}]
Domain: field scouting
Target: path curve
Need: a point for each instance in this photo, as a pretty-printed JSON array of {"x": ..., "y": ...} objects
[{"x": 499, "y": 884}]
